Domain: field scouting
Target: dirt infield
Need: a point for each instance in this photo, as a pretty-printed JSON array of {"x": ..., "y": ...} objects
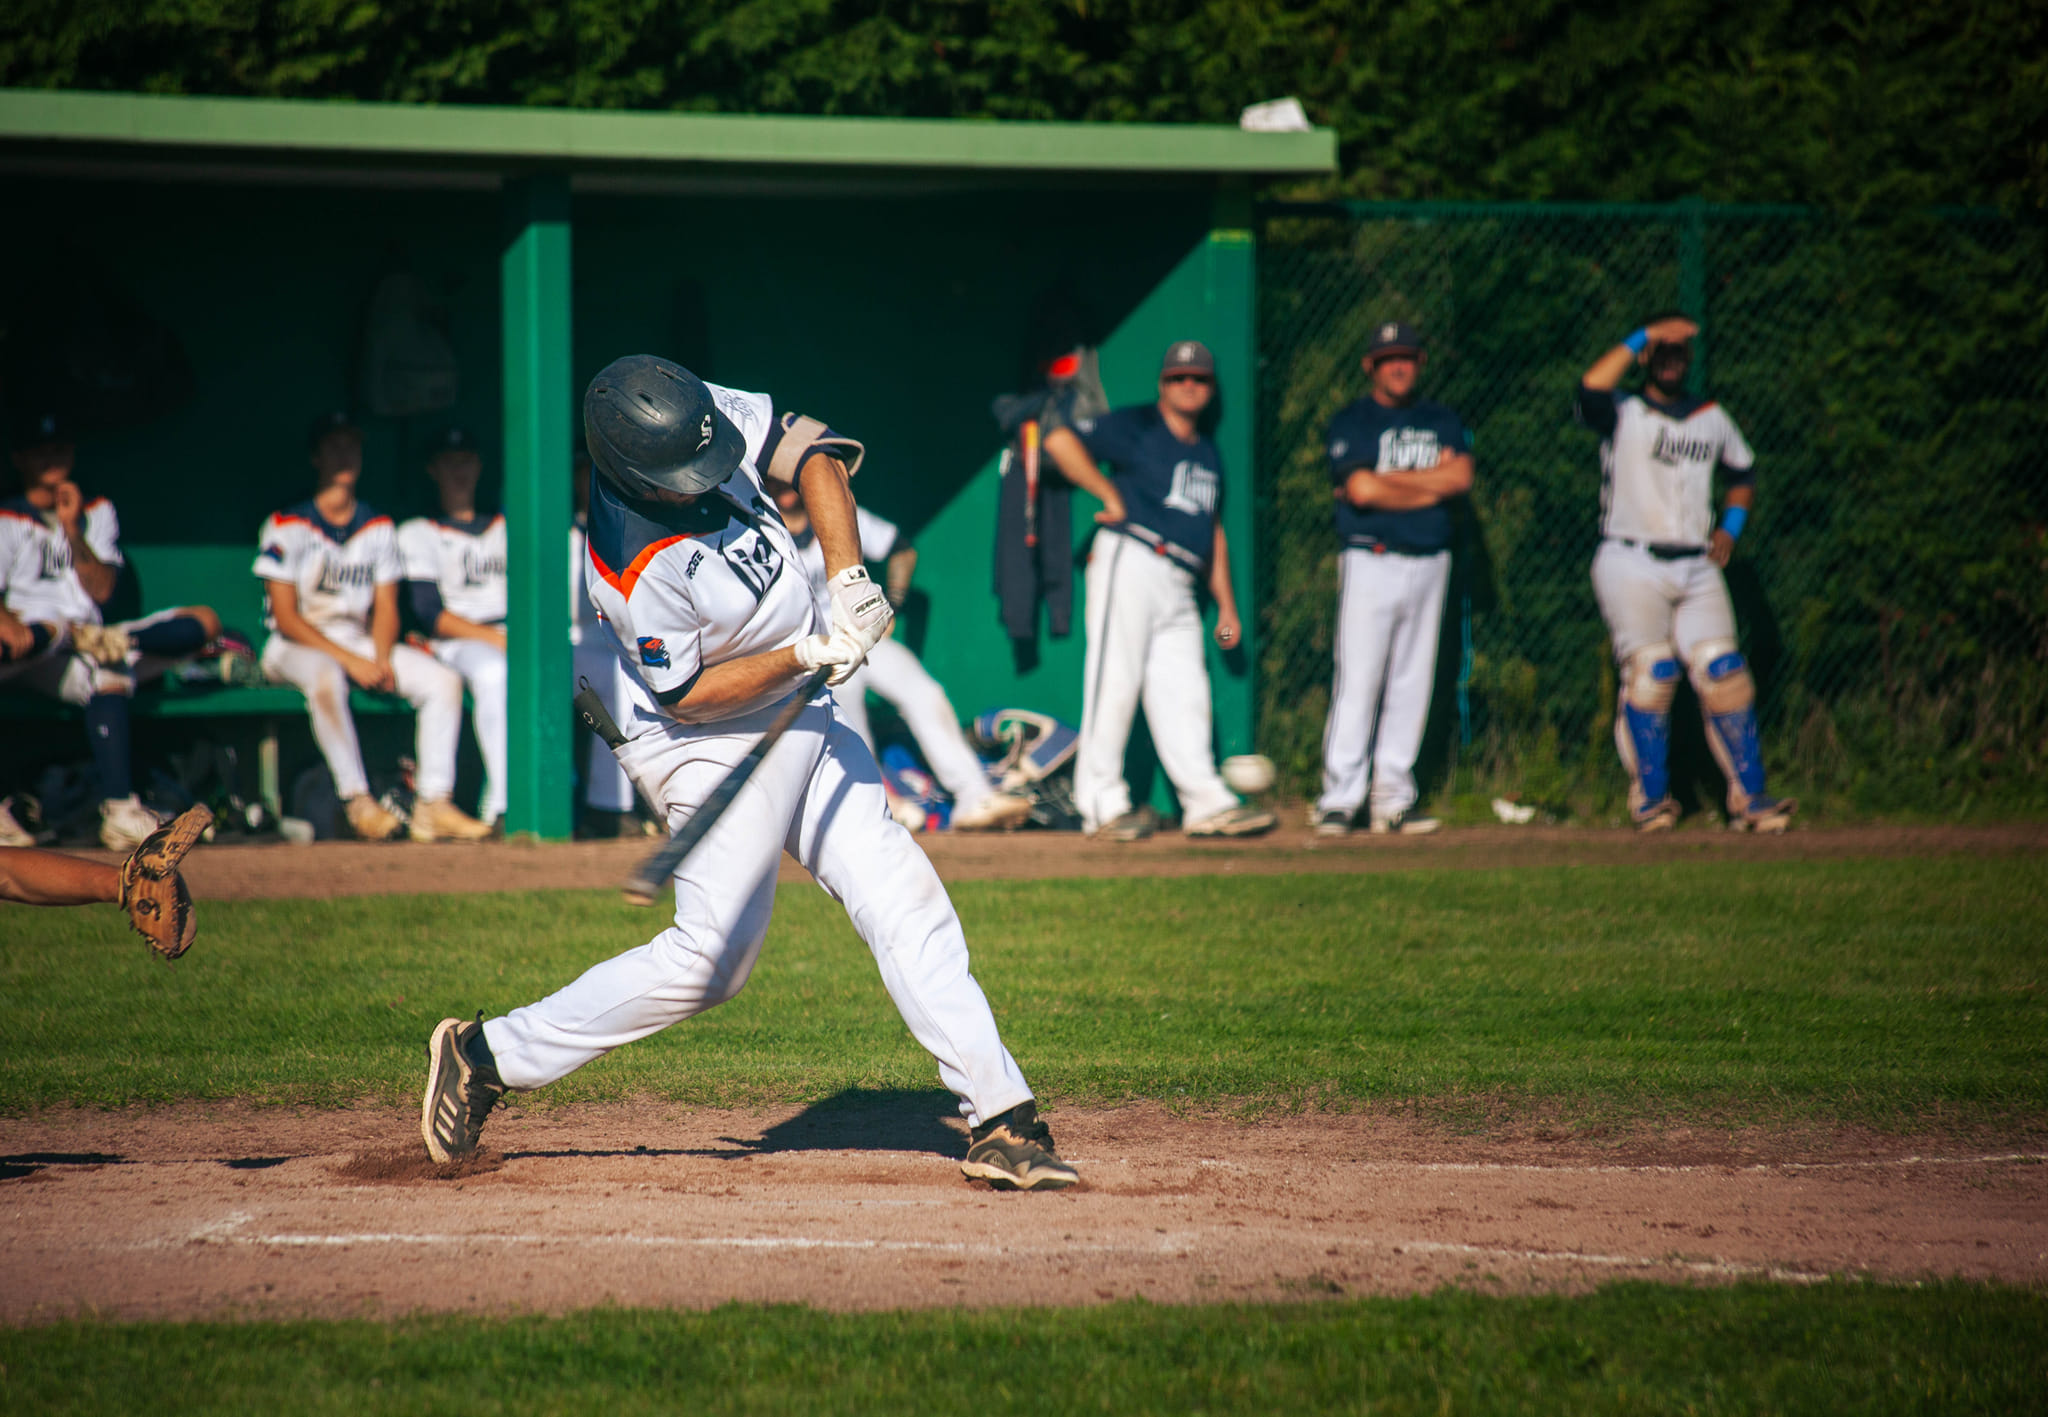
[
  {"x": 348, "y": 868},
  {"x": 857, "y": 1203}
]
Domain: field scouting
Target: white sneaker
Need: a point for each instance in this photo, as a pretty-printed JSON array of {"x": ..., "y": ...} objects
[
  {"x": 12, "y": 832},
  {"x": 998, "y": 811},
  {"x": 125, "y": 823},
  {"x": 1404, "y": 824}
]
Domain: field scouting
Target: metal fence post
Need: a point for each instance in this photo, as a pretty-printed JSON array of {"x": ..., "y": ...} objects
[{"x": 1692, "y": 281}]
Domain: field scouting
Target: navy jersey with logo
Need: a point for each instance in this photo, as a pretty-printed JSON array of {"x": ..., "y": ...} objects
[
  {"x": 1369, "y": 435},
  {"x": 1170, "y": 488}
]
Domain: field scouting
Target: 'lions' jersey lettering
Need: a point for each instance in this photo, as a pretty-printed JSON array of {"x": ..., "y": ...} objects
[
  {"x": 685, "y": 588},
  {"x": 1657, "y": 465},
  {"x": 36, "y": 570},
  {"x": 336, "y": 569},
  {"x": 465, "y": 561},
  {"x": 1368, "y": 436},
  {"x": 1170, "y": 488}
]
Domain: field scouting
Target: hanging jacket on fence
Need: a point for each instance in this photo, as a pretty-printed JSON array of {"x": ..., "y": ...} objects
[{"x": 1035, "y": 538}]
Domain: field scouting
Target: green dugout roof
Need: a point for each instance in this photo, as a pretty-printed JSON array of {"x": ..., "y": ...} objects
[{"x": 470, "y": 139}]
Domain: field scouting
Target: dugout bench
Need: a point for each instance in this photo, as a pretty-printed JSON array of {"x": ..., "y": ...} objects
[{"x": 218, "y": 576}]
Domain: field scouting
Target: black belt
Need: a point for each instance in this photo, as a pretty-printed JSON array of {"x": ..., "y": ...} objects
[
  {"x": 1145, "y": 536},
  {"x": 1386, "y": 548},
  {"x": 1663, "y": 550}
]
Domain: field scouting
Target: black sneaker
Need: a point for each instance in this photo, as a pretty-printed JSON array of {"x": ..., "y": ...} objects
[
  {"x": 1335, "y": 822},
  {"x": 1013, "y": 1152},
  {"x": 462, "y": 1088},
  {"x": 1131, "y": 826}
]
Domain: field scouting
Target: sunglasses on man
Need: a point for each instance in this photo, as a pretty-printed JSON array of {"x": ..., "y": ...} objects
[{"x": 1185, "y": 379}]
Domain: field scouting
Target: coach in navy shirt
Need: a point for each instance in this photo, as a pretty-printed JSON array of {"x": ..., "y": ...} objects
[
  {"x": 1159, "y": 538},
  {"x": 1396, "y": 461}
]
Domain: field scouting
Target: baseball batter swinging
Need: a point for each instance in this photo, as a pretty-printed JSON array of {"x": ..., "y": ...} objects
[
  {"x": 697, "y": 581},
  {"x": 1658, "y": 572}
]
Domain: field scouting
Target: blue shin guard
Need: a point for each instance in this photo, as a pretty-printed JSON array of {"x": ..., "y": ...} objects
[{"x": 1733, "y": 721}]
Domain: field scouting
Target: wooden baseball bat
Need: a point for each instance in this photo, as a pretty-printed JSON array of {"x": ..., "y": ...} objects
[{"x": 654, "y": 873}]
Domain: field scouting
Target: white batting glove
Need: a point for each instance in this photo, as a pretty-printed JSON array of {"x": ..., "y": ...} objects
[
  {"x": 859, "y": 608},
  {"x": 840, "y": 651}
]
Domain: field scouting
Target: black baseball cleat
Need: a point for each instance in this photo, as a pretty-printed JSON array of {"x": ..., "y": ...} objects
[
  {"x": 1013, "y": 1152},
  {"x": 462, "y": 1088}
]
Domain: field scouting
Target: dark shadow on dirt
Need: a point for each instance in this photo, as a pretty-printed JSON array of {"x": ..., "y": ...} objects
[
  {"x": 404, "y": 1166},
  {"x": 867, "y": 1119}
]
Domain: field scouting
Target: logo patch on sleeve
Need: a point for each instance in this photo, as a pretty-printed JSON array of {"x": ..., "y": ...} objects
[{"x": 653, "y": 653}]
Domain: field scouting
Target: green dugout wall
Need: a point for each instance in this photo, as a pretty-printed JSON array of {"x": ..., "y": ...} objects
[{"x": 889, "y": 276}]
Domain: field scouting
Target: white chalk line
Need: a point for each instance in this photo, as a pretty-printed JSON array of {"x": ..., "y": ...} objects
[
  {"x": 1704, "y": 1169},
  {"x": 228, "y": 1231}
]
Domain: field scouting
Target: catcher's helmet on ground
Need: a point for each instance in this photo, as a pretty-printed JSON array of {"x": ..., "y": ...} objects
[{"x": 652, "y": 427}]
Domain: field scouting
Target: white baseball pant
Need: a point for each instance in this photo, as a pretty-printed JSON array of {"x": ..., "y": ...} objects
[
  {"x": 606, "y": 788},
  {"x": 482, "y": 667},
  {"x": 1145, "y": 644},
  {"x": 817, "y": 795},
  {"x": 1646, "y": 601},
  {"x": 1389, "y": 608},
  {"x": 434, "y": 691},
  {"x": 896, "y": 676}
]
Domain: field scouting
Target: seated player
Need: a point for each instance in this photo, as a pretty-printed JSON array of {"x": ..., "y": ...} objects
[
  {"x": 893, "y": 672},
  {"x": 331, "y": 569},
  {"x": 455, "y": 582},
  {"x": 60, "y": 556}
]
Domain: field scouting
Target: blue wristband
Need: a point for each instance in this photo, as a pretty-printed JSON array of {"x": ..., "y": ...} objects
[
  {"x": 1733, "y": 519},
  {"x": 1639, "y": 341}
]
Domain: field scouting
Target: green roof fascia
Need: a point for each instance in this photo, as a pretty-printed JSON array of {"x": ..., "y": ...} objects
[{"x": 477, "y": 135}]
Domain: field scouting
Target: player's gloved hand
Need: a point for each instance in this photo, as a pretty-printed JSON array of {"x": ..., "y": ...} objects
[
  {"x": 859, "y": 608},
  {"x": 839, "y": 651}
]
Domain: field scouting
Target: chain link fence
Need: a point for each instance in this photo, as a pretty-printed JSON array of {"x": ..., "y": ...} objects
[{"x": 1892, "y": 588}]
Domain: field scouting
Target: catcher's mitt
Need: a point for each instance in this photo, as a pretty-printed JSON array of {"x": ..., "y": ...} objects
[{"x": 153, "y": 893}]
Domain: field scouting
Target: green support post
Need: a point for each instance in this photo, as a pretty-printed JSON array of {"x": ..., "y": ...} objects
[
  {"x": 1230, "y": 294},
  {"x": 534, "y": 277}
]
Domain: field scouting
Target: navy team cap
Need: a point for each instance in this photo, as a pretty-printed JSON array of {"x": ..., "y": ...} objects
[
  {"x": 38, "y": 427},
  {"x": 1394, "y": 337},
  {"x": 1189, "y": 356},
  {"x": 333, "y": 421}
]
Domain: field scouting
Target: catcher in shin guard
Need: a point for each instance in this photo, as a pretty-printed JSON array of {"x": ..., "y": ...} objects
[{"x": 147, "y": 885}]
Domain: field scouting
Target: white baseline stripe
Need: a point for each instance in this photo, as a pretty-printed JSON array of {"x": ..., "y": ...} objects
[{"x": 1708, "y": 1168}]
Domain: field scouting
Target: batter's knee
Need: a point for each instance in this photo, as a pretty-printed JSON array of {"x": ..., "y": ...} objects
[
  {"x": 1720, "y": 676},
  {"x": 1649, "y": 678}
]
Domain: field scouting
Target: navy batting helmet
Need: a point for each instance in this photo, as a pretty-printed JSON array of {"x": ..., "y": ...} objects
[{"x": 652, "y": 427}]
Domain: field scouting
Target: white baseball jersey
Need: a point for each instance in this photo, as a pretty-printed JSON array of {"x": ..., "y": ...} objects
[
  {"x": 878, "y": 538},
  {"x": 684, "y": 588},
  {"x": 36, "y": 572},
  {"x": 465, "y": 561},
  {"x": 1657, "y": 465},
  {"x": 336, "y": 569}
]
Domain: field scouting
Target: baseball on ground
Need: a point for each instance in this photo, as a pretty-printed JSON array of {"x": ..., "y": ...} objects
[{"x": 1248, "y": 774}]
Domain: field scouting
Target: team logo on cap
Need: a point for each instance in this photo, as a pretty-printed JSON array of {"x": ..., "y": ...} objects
[
  {"x": 1185, "y": 351},
  {"x": 653, "y": 653},
  {"x": 706, "y": 432},
  {"x": 49, "y": 424},
  {"x": 1389, "y": 333}
]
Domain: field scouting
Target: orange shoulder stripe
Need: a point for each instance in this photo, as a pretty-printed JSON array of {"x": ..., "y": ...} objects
[{"x": 624, "y": 581}]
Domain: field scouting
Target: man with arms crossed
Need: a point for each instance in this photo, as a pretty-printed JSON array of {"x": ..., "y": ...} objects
[
  {"x": 697, "y": 581},
  {"x": 331, "y": 569},
  {"x": 1395, "y": 463},
  {"x": 1159, "y": 537},
  {"x": 1657, "y": 574}
]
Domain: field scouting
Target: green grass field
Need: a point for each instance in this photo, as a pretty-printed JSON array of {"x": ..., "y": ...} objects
[
  {"x": 1630, "y": 1348},
  {"x": 1896, "y": 994},
  {"x": 1890, "y": 993}
]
